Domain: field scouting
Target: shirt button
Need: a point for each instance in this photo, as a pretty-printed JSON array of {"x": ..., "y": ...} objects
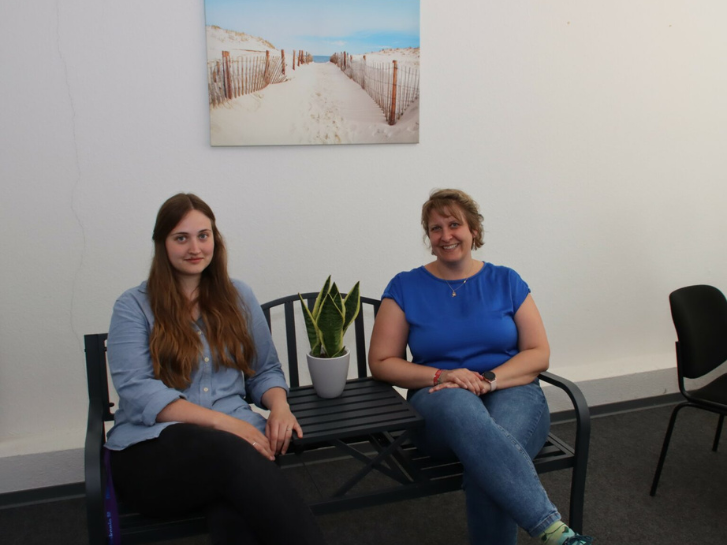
[
  {"x": 206, "y": 389},
  {"x": 206, "y": 360}
]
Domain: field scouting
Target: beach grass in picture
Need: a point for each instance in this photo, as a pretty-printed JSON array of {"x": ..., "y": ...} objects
[{"x": 302, "y": 72}]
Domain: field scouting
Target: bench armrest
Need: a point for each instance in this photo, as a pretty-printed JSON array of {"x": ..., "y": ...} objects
[{"x": 582, "y": 414}]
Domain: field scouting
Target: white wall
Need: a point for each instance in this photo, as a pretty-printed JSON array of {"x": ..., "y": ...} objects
[{"x": 592, "y": 134}]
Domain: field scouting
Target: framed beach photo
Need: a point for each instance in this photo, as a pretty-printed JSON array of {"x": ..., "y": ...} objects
[{"x": 306, "y": 72}]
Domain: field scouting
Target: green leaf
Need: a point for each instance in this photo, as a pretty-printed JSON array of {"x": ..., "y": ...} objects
[
  {"x": 314, "y": 334},
  {"x": 340, "y": 352},
  {"x": 330, "y": 325},
  {"x": 336, "y": 295},
  {"x": 321, "y": 296},
  {"x": 351, "y": 306}
]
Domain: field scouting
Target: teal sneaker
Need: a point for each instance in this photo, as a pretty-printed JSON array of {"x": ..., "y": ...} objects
[{"x": 578, "y": 540}]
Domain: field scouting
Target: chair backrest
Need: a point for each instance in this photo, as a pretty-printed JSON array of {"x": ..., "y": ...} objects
[
  {"x": 700, "y": 318},
  {"x": 289, "y": 304},
  {"x": 96, "y": 373}
]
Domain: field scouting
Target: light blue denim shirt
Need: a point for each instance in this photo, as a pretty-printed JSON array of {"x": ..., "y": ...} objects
[{"x": 142, "y": 397}]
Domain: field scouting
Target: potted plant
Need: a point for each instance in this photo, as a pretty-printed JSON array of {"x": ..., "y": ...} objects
[{"x": 326, "y": 324}]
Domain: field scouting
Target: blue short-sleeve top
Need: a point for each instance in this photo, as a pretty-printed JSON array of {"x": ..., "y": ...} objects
[{"x": 474, "y": 330}]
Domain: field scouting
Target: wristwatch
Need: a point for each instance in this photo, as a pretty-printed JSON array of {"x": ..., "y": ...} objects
[{"x": 491, "y": 379}]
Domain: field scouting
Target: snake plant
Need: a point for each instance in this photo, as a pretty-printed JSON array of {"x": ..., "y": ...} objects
[{"x": 328, "y": 321}]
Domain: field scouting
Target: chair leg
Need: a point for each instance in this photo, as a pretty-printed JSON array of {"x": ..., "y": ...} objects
[
  {"x": 718, "y": 433},
  {"x": 665, "y": 446}
]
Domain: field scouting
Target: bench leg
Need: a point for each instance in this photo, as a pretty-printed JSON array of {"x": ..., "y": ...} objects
[
  {"x": 578, "y": 479},
  {"x": 577, "y": 497}
]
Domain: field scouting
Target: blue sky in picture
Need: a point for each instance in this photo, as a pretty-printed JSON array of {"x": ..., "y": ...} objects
[{"x": 321, "y": 27}]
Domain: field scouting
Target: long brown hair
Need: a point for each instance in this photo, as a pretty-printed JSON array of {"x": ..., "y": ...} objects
[{"x": 174, "y": 344}]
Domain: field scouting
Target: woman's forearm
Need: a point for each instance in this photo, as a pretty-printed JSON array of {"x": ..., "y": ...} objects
[
  {"x": 187, "y": 412},
  {"x": 402, "y": 373},
  {"x": 275, "y": 398},
  {"x": 522, "y": 368}
]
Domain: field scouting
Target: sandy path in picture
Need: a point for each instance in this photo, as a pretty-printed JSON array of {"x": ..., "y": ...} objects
[{"x": 318, "y": 105}]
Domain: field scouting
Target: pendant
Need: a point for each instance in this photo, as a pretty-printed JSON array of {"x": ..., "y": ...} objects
[{"x": 454, "y": 294}]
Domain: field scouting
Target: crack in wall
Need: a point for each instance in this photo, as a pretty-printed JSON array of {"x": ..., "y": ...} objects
[{"x": 77, "y": 181}]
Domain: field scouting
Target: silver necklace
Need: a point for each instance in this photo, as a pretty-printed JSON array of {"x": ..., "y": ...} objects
[{"x": 454, "y": 290}]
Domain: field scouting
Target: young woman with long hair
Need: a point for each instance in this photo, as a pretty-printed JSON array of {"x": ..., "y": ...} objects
[{"x": 185, "y": 349}]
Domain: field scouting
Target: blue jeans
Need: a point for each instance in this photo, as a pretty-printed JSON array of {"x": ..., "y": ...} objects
[{"x": 495, "y": 436}]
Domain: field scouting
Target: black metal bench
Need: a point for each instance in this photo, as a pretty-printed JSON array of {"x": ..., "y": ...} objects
[
  {"x": 432, "y": 476},
  {"x": 414, "y": 473}
]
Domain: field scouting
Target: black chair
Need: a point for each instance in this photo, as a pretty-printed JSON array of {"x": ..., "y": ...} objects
[{"x": 700, "y": 318}]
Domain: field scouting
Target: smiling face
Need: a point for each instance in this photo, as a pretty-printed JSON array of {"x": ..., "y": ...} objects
[
  {"x": 450, "y": 237},
  {"x": 190, "y": 245}
]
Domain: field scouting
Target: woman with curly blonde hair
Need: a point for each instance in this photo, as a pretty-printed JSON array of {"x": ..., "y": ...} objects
[{"x": 478, "y": 344}]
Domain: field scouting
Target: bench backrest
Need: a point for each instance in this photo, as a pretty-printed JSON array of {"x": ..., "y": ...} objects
[
  {"x": 97, "y": 374},
  {"x": 292, "y": 318}
]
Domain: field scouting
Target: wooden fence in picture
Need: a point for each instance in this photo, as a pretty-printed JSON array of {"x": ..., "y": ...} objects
[
  {"x": 393, "y": 86},
  {"x": 229, "y": 78}
]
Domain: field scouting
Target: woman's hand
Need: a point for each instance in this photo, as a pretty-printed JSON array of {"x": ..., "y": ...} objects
[
  {"x": 249, "y": 433},
  {"x": 280, "y": 427},
  {"x": 281, "y": 422},
  {"x": 462, "y": 378}
]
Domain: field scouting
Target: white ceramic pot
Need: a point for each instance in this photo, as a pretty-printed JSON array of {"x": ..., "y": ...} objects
[{"x": 329, "y": 374}]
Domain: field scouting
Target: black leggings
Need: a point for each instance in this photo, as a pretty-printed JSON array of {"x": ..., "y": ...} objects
[{"x": 194, "y": 468}]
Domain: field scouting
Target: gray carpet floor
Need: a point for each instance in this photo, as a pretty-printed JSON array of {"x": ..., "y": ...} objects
[{"x": 690, "y": 505}]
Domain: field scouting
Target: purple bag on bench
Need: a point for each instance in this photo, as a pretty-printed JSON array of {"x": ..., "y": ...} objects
[{"x": 111, "y": 510}]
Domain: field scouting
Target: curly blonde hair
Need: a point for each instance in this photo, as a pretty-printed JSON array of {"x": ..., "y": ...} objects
[{"x": 453, "y": 202}]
